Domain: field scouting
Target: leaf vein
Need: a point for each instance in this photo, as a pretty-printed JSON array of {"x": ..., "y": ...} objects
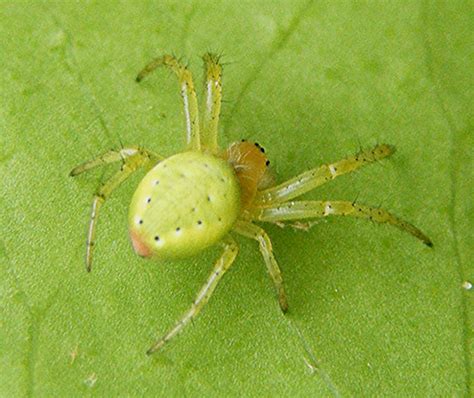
[
  {"x": 454, "y": 171},
  {"x": 279, "y": 42}
]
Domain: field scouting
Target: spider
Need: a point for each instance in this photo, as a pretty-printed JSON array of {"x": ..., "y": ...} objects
[{"x": 202, "y": 195}]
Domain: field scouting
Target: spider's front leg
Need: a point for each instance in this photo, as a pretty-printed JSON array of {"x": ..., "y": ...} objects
[
  {"x": 254, "y": 232},
  {"x": 188, "y": 93},
  {"x": 133, "y": 159},
  {"x": 222, "y": 265},
  {"x": 213, "y": 98},
  {"x": 311, "y": 179},
  {"x": 322, "y": 208}
]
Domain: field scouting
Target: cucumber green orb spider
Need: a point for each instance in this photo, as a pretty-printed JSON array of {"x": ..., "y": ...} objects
[{"x": 203, "y": 195}]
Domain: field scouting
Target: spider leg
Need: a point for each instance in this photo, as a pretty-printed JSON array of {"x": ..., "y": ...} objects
[
  {"x": 315, "y": 209},
  {"x": 221, "y": 266},
  {"x": 130, "y": 165},
  {"x": 313, "y": 178},
  {"x": 188, "y": 94},
  {"x": 113, "y": 156},
  {"x": 254, "y": 232},
  {"x": 213, "y": 98}
]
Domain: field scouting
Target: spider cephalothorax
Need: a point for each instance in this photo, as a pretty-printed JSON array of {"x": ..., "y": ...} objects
[
  {"x": 204, "y": 194},
  {"x": 250, "y": 165}
]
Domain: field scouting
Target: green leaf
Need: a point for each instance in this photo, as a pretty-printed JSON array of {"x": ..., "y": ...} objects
[{"x": 372, "y": 311}]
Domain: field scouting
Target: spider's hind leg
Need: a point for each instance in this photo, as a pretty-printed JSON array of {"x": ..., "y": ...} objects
[
  {"x": 131, "y": 163},
  {"x": 112, "y": 156},
  {"x": 222, "y": 265}
]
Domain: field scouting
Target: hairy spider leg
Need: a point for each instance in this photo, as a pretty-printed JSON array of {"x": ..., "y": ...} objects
[
  {"x": 254, "y": 232},
  {"x": 323, "y": 208},
  {"x": 213, "y": 99},
  {"x": 112, "y": 156},
  {"x": 221, "y": 266},
  {"x": 188, "y": 93},
  {"x": 314, "y": 178},
  {"x": 131, "y": 163}
]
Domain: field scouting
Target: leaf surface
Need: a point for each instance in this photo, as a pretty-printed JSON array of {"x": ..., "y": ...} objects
[{"x": 372, "y": 311}]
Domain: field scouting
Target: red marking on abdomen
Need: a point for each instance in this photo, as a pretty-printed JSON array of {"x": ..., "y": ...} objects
[{"x": 140, "y": 248}]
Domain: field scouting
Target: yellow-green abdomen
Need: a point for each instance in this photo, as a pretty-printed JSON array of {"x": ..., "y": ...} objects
[{"x": 183, "y": 205}]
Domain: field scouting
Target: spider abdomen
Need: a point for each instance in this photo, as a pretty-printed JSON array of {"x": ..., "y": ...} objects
[{"x": 184, "y": 204}]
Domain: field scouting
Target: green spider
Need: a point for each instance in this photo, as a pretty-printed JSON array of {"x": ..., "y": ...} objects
[{"x": 200, "y": 196}]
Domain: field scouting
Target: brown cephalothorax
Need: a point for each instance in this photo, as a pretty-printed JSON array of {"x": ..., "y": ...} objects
[{"x": 251, "y": 167}]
